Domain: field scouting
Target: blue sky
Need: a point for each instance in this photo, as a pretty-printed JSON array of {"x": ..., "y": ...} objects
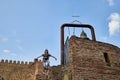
[{"x": 28, "y": 27}]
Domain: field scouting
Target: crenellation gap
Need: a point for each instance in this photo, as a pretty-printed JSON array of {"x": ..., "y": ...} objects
[{"x": 26, "y": 62}]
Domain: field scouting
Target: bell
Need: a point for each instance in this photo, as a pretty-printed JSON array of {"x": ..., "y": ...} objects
[{"x": 83, "y": 35}]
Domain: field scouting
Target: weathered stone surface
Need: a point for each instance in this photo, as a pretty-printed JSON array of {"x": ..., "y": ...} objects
[
  {"x": 89, "y": 62},
  {"x": 16, "y": 71}
]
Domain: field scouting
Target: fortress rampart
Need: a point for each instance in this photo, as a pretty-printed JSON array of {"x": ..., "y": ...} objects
[
  {"x": 15, "y": 62},
  {"x": 17, "y": 70}
]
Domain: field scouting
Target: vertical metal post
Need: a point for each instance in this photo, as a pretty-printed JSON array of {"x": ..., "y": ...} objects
[{"x": 62, "y": 45}]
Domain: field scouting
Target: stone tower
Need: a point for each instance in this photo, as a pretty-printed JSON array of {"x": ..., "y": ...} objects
[
  {"x": 93, "y": 60},
  {"x": 90, "y": 59}
]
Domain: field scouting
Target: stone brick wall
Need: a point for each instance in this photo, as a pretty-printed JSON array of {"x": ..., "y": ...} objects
[
  {"x": 88, "y": 60},
  {"x": 60, "y": 72},
  {"x": 55, "y": 73},
  {"x": 12, "y": 70}
]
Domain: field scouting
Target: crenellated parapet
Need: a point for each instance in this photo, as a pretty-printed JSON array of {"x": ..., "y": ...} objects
[
  {"x": 18, "y": 70},
  {"x": 16, "y": 62}
]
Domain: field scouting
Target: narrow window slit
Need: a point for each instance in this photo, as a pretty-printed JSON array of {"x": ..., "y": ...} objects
[{"x": 107, "y": 59}]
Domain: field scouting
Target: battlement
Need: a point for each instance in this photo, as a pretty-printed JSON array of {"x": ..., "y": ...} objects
[{"x": 16, "y": 62}]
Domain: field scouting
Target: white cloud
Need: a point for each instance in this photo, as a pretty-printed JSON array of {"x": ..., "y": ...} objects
[
  {"x": 111, "y": 2},
  {"x": 6, "y": 51},
  {"x": 114, "y": 24}
]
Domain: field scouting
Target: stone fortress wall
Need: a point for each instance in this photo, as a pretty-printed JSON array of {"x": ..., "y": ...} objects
[{"x": 16, "y": 70}]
